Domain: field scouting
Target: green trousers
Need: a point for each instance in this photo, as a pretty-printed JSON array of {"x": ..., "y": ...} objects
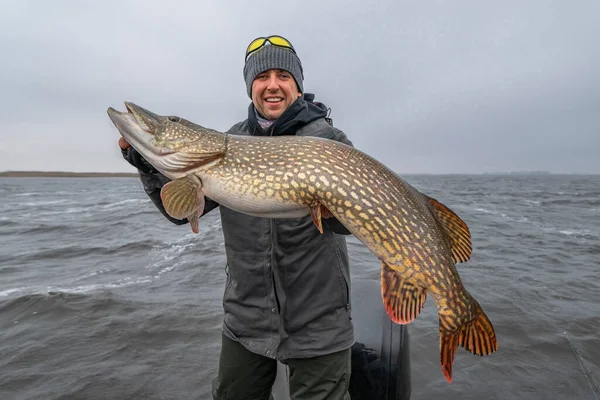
[{"x": 244, "y": 375}]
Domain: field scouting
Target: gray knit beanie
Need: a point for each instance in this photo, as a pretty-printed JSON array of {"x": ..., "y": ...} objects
[{"x": 271, "y": 57}]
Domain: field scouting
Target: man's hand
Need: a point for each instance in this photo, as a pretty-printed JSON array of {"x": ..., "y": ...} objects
[
  {"x": 134, "y": 158},
  {"x": 123, "y": 144}
]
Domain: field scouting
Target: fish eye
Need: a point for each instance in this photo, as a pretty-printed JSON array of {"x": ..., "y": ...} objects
[{"x": 174, "y": 119}]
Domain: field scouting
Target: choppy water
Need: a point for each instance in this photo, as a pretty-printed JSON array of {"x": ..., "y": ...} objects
[{"x": 102, "y": 298}]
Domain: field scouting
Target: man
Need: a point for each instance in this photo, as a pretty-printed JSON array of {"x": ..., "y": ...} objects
[{"x": 287, "y": 295}]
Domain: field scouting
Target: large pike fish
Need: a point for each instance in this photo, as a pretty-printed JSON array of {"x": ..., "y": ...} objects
[{"x": 417, "y": 239}]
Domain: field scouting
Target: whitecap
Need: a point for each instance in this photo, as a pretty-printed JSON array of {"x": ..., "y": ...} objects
[
  {"x": 45, "y": 203},
  {"x": 7, "y": 292},
  {"x": 532, "y": 202},
  {"x": 100, "y": 286},
  {"x": 578, "y": 232},
  {"x": 128, "y": 201}
]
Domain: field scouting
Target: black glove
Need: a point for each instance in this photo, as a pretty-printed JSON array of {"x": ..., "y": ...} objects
[{"x": 134, "y": 158}]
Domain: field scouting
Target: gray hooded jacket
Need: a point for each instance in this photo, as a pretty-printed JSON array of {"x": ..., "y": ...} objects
[{"x": 288, "y": 286}]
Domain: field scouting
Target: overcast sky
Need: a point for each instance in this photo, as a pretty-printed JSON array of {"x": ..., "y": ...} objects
[{"x": 424, "y": 86}]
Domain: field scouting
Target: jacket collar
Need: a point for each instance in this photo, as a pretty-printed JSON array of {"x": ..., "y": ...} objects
[{"x": 300, "y": 113}]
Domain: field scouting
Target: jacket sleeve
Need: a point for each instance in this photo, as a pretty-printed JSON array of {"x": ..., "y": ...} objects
[
  {"x": 340, "y": 136},
  {"x": 333, "y": 223},
  {"x": 153, "y": 182}
]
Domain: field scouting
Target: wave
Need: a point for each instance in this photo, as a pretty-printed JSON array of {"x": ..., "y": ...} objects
[
  {"x": 95, "y": 273},
  {"x": 577, "y": 232},
  {"x": 43, "y": 228},
  {"x": 7, "y": 292},
  {"x": 577, "y": 202},
  {"x": 34, "y": 292},
  {"x": 502, "y": 215},
  {"x": 57, "y": 303},
  {"x": 6, "y": 222},
  {"x": 70, "y": 210},
  {"x": 88, "y": 209},
  {"x": 31, "y": 301},
  {"x": 100, "y": 286},
  {"x": 123, "y": 202},
  {"x": 486, "y": 211},
  {"x": 545, "y": 227},
  {"x": 46, "y": 203},
  {"x": 27, "y": 194},
  {"x": 84, "y": 251},
  {"x": 166, "y": 257}
]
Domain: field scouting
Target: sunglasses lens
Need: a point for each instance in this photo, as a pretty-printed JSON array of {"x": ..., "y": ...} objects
[
  {"x": 279, "y": 41},
  {"x": 255, "y": 45},
  {"x": 274, "y": 40}
]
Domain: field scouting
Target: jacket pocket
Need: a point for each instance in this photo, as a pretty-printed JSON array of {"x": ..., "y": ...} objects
[{"x": 345, "y": 278}]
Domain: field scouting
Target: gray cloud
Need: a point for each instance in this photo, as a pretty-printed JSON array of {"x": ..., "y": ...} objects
[{"x": 436, "y": 86}]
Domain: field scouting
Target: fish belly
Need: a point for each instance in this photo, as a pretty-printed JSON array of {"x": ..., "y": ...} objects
[{"x": 249, "y": 203}]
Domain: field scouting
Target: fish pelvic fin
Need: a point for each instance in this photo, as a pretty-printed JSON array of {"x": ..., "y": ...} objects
[
  {"x": 318, "y": 212},
  {"x": 184, "y": 198},
  {"x": 477, "y": 336},
  {"x": 194, "y": 219},
  {"x": 455, "y": 228},
  {"x": 403, "y": 300}
]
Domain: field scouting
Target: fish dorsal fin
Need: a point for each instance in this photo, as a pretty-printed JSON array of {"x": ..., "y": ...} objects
[
  {"x": 184, "y": 198},
  {"x": 455, "y": 228}
]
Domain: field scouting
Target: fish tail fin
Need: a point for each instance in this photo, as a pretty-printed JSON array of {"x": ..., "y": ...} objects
[
  {"x": 448, "y": 346},
  {"x": 477, "y": 336}
]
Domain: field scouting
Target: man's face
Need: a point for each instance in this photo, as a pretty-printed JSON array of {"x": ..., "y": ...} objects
[{"x": 273, "y": 91}]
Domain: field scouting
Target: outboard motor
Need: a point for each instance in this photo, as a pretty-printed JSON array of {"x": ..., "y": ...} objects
[{"x": 380, "y": 356}]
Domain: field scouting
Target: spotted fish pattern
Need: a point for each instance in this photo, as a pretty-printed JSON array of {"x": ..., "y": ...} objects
[{"x": 417, "y": 239}]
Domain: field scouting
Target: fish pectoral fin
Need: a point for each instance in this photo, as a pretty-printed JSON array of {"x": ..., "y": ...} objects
[
  {"x": 476, "y": 335},
  {"x": 184, "y": 198},
  {"x": 402, "y": 299},
  {"x": 318, "y": 212},
  {"x": 192, "y": 160},
  {"x": 198, "y": 157},
  {"x": 456, "y": 229}
]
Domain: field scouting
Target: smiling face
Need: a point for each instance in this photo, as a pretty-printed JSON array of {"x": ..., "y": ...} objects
[{"x": 273, "y": 91}]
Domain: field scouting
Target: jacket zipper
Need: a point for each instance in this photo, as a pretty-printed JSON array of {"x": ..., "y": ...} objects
[
  {"x": 345, "y": 280},
  {"x": 272, "y": 268}
]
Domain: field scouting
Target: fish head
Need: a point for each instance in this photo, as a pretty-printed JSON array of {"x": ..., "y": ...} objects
[{"x": 173, "y": 145}]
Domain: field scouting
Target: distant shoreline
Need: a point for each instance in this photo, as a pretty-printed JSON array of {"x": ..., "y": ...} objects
[{"x": 61, "y": 174}]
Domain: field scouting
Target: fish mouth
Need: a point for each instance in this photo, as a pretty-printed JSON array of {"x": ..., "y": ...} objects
[
  {"x": 144, "y": 131},
  {"x": 134, "y": 114},
  {"x": 138, "y": 126}
]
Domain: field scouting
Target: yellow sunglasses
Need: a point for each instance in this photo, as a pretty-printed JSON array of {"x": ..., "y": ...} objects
[{"x": 275, "y": 40}]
